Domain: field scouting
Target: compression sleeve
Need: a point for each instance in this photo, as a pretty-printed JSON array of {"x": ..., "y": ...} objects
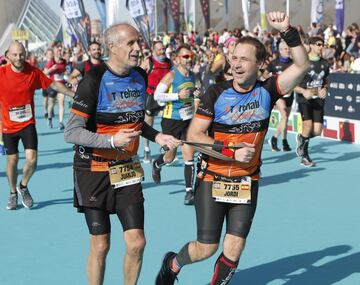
[
  {"x": 161, "y": 95},
  {"x": 148, "y": 132},
  {"x": 76, "y": 133}
]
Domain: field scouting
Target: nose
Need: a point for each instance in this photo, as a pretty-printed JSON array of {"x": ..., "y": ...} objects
[{"x": 137, "y": 46}]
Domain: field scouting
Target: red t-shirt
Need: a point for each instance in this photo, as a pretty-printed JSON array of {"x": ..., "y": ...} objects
[{"x": 17, "y": 96}]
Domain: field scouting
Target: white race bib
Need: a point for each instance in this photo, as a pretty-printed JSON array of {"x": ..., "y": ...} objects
[
  {"x": 186, "y": 113},
  {"x": 232, "y": 192},
  {"x": 21, "y": 113}
]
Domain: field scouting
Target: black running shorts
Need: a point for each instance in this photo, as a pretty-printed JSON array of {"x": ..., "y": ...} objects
[
  {"x": 93, "y": 190},
  {"x": 210, "y": 215},
  {"x": 49, "y": 93},
  {"x": 28, "y": 136},
  {"x": 312, "y": 110},
  {"x": 175, "y": 128},
  {"x": 152, "y": 107}
]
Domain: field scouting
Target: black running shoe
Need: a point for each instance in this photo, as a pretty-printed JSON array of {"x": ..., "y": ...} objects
[
  {"x": 286, "y": 146},
  {"x": 307, "y": 162},
  {"x": 189, "y": 198},
  {"x": 166, "y": 276},
  {"x": 156, "y": 172},
  {"x": 273, "y": 144},
  {"x": 299, "y": 145}
]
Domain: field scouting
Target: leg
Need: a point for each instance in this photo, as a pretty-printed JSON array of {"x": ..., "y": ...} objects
[
  {"x": 51, "y": 104},
  {"x": 281, "y": 106},
  {"x": 29, "y": 165},
  {"x": 317, "y": 129},
  {"x": 150, "y": 121},
  {"x": 12, "y": 171},
  {"x": 189, "y": 170},
  {"x": 98, "y": 222},
  {"x": 61, "y": 100},
  {"x": 45, "y": 103},
  {"x": 135, "y": 244}
]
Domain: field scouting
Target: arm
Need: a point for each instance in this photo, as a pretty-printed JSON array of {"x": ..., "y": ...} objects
[
  {"x": 293, "y": 75},
  {"x": 61, "y": 88},
  {"x": 163, "y": 86},
  {"x": 73, "y": 76}
]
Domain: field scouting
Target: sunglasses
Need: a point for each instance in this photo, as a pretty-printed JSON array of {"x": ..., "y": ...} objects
[
  {"x": 319, "y": 44},
  {"x": 187, "y": 56}
]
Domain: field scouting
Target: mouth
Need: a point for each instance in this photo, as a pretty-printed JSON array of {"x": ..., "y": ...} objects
[{"x": 134, "y": 57}]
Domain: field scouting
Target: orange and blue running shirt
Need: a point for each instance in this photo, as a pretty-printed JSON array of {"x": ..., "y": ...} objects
[
  {"x": 110, "y": 102},
  {"x": 238, "y": 117},
  {"x": 17, "y": 96}
]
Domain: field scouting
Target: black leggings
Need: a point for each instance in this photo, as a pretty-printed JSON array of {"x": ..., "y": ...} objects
[
  {"x": 131, "y": 217},
  {"x": 210, "y": 214}
]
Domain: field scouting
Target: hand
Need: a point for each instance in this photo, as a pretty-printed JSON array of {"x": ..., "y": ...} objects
[
  {"x": 246, "y": 153},
  {"x": 308, "y": 94},
  {"x": 184, "y": 94},
  {"x": 278, "y": 20},
  {"x": 125, "y": 136},
  {"x": 197, "y": 93},
  {"x": 167, "y": 140},
  {"x": 322, "y": 92}
]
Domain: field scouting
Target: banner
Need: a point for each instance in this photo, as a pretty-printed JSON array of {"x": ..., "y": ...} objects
[
  {"x": 189, "y": 10},
  {"x": 100, "y": 5},
  {"x": 78, "y": 20},
  {"x": 340, "y": 11},
  {"x": 263, "y": 15},
  {"x": 245, "y": 7},
  {"x": 343, "y": 100},
  {"x": 205, "y": 7},
  {"x": 151, "y": 14},
  {"x": 69, "y": 37},
  {"x": 138, "y": 12},
  {"x": 174, "y": 8},
  {"x": 317, "y": 11}
]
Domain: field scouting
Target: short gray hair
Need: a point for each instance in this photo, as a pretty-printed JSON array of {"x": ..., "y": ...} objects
[{"x": 112, "y": 35}]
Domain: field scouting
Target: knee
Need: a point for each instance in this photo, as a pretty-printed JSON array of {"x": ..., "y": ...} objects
[
  {"x": 100, "y": 247},
  {"x": 31, "y": 161},
  {"x": 12, "y": 160},
  {"x": 136, "y": 246},
  {"x": 206, "y": 250}
]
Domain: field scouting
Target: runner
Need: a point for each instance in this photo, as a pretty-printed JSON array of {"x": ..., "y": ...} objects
[
  {"x": 311, "y": 99},
  {"x": 283, "y": 105},
  {"x": 18, "y": 82},
  {"x": 106, "y": 120},
  {"x": 156, "y": 67},
  {"x": 234, "y": 112},
  {"x": 177, "y": 89}
]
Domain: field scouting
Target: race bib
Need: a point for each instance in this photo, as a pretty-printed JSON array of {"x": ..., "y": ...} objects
[
  {"x": 232, "y": 192},
  {"x": 186, "y": 113},
  {"x": 20, "y": 114},
  {"x": 126, "y": 174},
  {"x": 58, "y": 77}
]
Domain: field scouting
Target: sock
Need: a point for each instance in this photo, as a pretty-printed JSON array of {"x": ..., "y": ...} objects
[
  {"x": 160, "y": 161},
  {"x": 22, "y": 186},
  {"x": 224, "y": 270},
  {"x": 189, "y": 174},
  {"x": 146, "y": 148}
]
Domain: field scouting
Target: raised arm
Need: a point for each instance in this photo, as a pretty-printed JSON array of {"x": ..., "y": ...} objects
[{"x": 294, "y": 74}]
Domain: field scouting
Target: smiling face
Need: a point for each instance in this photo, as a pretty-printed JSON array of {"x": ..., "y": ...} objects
[
  {"x": 126, "y": 50},
  {"x": 16, "y": 56},
  {"x": 184, "y": 58},
  {"x": 244, "y": 65}
]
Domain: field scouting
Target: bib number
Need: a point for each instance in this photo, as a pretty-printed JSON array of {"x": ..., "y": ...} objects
[
  {"x": 20, "y": 114},
  {"x": 126, "y": 174},
  {"x": 186, "y": 113},
  {"x": 232, "y": 192}
]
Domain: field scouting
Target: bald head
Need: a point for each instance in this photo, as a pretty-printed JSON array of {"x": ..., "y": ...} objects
[
  {"x": 118, "y": 33},
  {"x": 16, "y": 56}
]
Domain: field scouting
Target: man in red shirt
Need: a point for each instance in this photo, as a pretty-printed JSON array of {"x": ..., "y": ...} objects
[{"x": 18, "y": 82}]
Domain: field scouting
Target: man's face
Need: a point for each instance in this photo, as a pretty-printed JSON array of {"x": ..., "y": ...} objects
[
  {"x": 317, "y": 47},
  {"x": 185, "y": 57},
  {"x": 284, "y": 50},
  {"x": 244, "y": 65},
  {"x": 16, "y": 56},
  {"x": 126, "y": 51},
  {"x": 95, "y": 51},
  {"x": 159, "y": 50}
]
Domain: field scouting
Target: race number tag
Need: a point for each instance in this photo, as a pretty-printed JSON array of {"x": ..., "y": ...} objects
[
  {"x": 232, "y": 192},
  {"x": 20, "y": 114},
  {"x": 186, "y": 113},
  {"x": 126, "y": 174}
]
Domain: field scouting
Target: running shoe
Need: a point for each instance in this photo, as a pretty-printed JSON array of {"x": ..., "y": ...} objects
[
  {"x": 189, "y": 198},
  {"x": 2, "y": 149},
  {"x": 13, "y": 201},
  {"x": 147, "y": 156},
  {"x": 49, "y": 123},
  {"x": 273, "y": 144},
  {"x": 307, "y": 162},
  {"x": 27, "y": 200},
  {"x": 46, "y": 116},
  {"x": 299, "y": 145},
  {"x": 166, "y": 276},
  {"x": 156, "y": 172},
  {"x": 61, "y": 126},
  {"x": 286, "y": 146}
]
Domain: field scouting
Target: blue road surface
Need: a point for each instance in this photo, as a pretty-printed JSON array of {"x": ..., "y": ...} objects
[{"x": 305, "y": 232}]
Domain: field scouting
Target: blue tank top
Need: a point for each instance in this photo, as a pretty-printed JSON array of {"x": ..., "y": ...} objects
[{"x": 182, "y": 109}]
